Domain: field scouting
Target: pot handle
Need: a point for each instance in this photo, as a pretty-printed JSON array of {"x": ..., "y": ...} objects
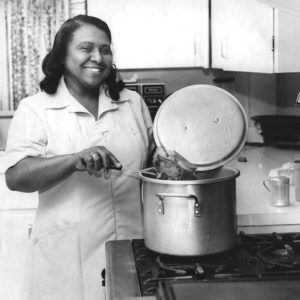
[{"x": 161, "y": 196}]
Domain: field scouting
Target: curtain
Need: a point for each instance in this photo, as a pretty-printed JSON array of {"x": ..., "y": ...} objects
[
  {"x": 31, "y": 27},
  {"x": 4, "y": 83}
]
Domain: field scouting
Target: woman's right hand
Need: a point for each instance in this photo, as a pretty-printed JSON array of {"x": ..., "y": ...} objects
[
  {"x": 96, "y": 158},
  {"x": 33, "y": 174}
]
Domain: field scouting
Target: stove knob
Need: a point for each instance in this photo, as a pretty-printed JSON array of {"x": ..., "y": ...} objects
[
  {"x": 147, "y": 274},
  {"x": 277, "y": 236},
  {"x": 199, "y": 269},
  {"x": 150, "y": 291},
  {"x": 246, "y": 259}
]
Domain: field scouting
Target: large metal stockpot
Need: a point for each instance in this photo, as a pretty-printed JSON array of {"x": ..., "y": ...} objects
[
  {"x": 194, "y": 217},
  {"x": 207, "y": 126}
]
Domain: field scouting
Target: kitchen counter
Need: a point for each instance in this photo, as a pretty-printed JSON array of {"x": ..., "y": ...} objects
[{"x": 254, "y": 212}]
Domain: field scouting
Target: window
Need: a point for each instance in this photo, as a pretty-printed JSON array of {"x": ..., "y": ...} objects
[{"x": 27, "y": 30}]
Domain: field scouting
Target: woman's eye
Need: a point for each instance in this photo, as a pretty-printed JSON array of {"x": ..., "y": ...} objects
[
  {"x": 86, "y": 49},
  {"x": 105, "y": 50}
]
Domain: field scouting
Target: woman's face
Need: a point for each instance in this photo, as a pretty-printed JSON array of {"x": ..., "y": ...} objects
[{"x": 88, "y": 58}]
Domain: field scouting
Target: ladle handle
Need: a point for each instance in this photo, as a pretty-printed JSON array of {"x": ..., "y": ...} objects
[
  {"x": 139, "y": 172},
  {"x": 265, "y": 185}
]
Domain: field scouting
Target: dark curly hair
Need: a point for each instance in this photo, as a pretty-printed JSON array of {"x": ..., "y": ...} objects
[{"x": 53, "y": 63}]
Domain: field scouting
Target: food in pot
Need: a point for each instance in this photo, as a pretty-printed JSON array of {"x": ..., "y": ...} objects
[{"x": 172, "y": 166}]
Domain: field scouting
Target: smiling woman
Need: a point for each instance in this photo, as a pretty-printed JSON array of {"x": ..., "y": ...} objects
[
  {"x": 65, "y": 142},
  {"x": 88, "y": 60},
  {"x": 85, "y": 59}
]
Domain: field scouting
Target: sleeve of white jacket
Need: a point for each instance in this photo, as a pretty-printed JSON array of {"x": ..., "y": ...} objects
[
  {"x": 26, "y": 136},
  {"x": 149, "y": 124}
]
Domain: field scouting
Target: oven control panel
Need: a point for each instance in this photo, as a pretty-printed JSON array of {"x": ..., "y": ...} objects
[{"x": 152, "y": 92}]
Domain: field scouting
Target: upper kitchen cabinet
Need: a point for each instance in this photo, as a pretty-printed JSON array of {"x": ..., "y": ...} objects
[
  {"x": 156, "y": 34},
  {"x": 254, "y": 36},
  {"x": 287, "y": 42}
]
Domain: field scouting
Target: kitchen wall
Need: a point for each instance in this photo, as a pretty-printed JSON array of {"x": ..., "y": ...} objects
[
  {"x": 288, "y": 87},
  {"x": 255, "y": 91}
]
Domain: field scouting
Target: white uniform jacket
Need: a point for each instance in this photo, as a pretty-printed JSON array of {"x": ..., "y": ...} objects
[{"x": 78, "y": 215}]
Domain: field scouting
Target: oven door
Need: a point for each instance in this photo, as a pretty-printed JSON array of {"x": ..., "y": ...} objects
[{"x": 234, "y": 290}]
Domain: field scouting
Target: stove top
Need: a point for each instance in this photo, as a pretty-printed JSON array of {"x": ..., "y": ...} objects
[{"x": 255, "y": 258}]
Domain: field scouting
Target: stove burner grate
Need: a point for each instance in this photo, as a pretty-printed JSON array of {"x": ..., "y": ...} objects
[{"x": 256, "y": 257}]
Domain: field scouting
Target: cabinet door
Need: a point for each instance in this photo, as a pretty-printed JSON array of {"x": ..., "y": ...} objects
[
  {"x": 14, "y": 244},
  {"x": 287, "y": 41},
  {"x": 156, "y": 34},
  {"x": 242, "y": 32}
]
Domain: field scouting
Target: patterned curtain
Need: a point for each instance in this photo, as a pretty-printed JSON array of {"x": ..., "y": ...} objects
[
  {"x": 31, "y": 27},
  {"x": 4, "y": 83}
]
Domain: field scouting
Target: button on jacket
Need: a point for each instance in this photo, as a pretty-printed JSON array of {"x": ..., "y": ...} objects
[{"x": 78, "y": 215}]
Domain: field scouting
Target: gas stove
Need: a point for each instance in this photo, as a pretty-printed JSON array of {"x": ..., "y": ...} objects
[{"x": 257, "y": 262}]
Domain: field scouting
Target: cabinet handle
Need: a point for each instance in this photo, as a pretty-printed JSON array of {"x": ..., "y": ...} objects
[
  {"x": 224, "y": 47},
  {"x": 29, "y": 230}
]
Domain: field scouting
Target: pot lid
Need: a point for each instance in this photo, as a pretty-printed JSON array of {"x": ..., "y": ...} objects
[{"x": 205, "y": 124}]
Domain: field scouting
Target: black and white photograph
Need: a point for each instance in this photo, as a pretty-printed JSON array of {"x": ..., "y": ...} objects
[{"x": 149, "y": 149}]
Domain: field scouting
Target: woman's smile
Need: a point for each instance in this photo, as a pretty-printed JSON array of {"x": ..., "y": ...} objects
[
  {"x": 89, "y": 58},
  {"x": 93, "y": 69}
]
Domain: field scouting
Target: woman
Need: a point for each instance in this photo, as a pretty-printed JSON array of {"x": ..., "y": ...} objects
[{"x": 64, "y": 142}]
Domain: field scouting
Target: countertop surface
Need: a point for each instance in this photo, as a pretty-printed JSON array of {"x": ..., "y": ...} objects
[{"x": 253, "y": 199}]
